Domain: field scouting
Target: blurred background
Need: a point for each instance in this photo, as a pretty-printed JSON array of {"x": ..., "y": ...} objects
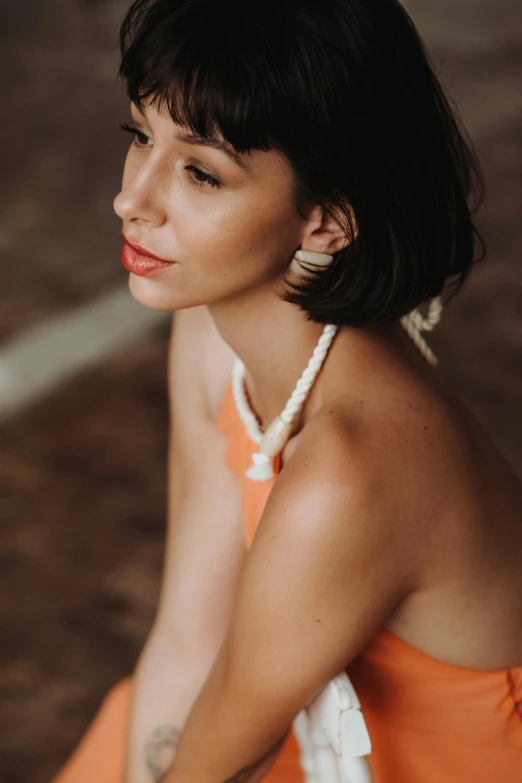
[{"x": 83, "y": 402}]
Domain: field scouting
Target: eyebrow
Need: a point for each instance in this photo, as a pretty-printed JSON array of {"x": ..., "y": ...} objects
[{"x": 212, "y": 141}]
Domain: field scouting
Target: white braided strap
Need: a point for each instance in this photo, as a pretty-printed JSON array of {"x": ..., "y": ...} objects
[
  {"x": 413, "y": 323},
  {"x": 273, "y": 440},
  {"x": 304, "y": 384}
]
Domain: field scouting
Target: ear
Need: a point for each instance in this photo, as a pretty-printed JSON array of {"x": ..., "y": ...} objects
[{"x": 323, "y": 234}]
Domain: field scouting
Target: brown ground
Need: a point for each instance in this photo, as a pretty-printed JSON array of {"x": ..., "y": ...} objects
[{"x": 82, "y": 474}]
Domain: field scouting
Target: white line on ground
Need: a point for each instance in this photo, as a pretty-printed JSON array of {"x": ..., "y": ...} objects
[{"x": 41, "y": 357}]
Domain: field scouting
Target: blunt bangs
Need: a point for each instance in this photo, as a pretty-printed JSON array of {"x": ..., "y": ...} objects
[
  {"x": 343, "y": 89},
  {"x": 195, "y": 60}
]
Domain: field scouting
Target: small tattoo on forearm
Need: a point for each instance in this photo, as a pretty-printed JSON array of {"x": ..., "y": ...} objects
[{"x": 160, "y": 750}]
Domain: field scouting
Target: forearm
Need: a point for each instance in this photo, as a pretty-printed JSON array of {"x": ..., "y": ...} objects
[
  {"x": 165, "y": 686},
  {"x": 253, "y": 773},
  {"x": 223, "y": 740}
]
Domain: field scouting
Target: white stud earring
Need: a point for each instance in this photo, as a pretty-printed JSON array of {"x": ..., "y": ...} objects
[{"x": 308, "y": 256}]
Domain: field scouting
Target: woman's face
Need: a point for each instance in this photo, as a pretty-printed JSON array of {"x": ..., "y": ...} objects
[{"x": 228, "y": 238}]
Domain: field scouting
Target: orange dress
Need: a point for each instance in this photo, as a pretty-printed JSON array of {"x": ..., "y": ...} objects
[{"x": 429, "y": 721}]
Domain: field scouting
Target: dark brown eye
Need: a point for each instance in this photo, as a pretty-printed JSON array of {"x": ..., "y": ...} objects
[
  {"x": 140, "y": 138},
  {"x": 206, "y": 179}
]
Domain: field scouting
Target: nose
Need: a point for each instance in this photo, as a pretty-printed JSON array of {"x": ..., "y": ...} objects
[{"x": 140, "y": 199}]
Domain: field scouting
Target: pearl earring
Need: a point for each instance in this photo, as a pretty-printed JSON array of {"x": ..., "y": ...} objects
[{"x": 317, "y": 259}]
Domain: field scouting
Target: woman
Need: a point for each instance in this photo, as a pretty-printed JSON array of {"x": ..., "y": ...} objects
[{"x": 296, "y": 187}]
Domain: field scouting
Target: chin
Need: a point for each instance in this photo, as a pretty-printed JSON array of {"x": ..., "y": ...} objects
[
  {"x": 157, "y": 294},
  {"x": 152, "y": 294}
]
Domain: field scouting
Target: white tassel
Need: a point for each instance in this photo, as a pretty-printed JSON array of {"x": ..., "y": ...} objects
[
  {"x": 333, "y": 737},
  {"x": 272, "y": 443},
  {"x": 262, "y": 468}
]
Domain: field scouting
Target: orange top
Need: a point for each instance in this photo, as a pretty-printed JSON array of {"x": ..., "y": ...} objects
[{"x": 429, "y": 721}]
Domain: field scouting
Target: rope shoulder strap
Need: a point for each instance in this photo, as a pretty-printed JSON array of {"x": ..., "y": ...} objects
[{"x": 413, "y": 323}]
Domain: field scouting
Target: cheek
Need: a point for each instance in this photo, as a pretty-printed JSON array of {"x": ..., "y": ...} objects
[
  {"x": 223, "y": 252},
  {"x": 237, "y": 235},
  {"x": 268, "y": 234}
]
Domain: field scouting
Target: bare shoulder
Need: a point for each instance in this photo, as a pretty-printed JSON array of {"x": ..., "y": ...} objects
[
  {"x": 332, "y": 539},
  {"x": 209, "y": 358},
  {"x": 398, "y": 453},
  {"x": 412, "y": 433},
  {"x": 344, "y": 497},
  {"x": 426, "y": 489}
]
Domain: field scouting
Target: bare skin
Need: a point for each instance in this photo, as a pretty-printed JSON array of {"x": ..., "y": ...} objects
[
  {"x": 461, "y": 501},
  {"x": 160, "y": 750},
  {"x": 464, "y": 503},
  {"x": 462, "y": 612}
]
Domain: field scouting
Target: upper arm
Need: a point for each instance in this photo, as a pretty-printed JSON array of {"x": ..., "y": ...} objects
[
  {"x": 327, "y": 567},
  {"x": 205, "y": 547}
]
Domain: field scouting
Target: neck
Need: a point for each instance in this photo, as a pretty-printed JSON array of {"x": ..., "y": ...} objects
[{"x": 275, "y": 343}]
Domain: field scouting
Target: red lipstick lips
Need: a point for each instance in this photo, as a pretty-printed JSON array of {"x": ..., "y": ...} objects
[{"x": 140, "y": 261}]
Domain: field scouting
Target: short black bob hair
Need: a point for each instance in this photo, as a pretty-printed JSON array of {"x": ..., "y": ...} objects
[{"x": 344, "y": 89}]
